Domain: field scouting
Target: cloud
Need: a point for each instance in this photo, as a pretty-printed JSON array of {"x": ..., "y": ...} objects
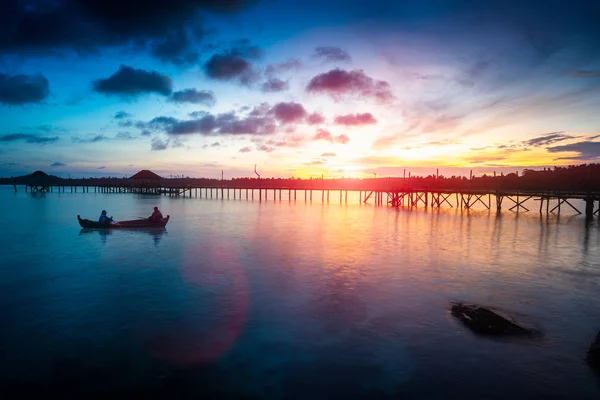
[
  {"x": 11, "y": 164},
  {"x": 124, "y": 136},
  {"x": 547, "y": 139},
  {"x": 221, "y": 124},
  {"x": 102, "y": 167},
  {"x": 215, "y": 144},
  {"x": 331, "y": 54},
  {"x": 340, "y": 84},
  {"x": 266, "y": 149},
  {"x": 206, "y": 97},
  {"x": 103, "y": 138},
  {"x": 28, "y": 138},
  {"x": 245, "y": 150},
  {"x": 288, "y": 113},
  {"x": 315, "y": 119},
  {"x": 586, "y": 74},
  {"x": 342, "y": 139},
  {"x": 57, "y": 164},
  {"x": 177, "y": 46},
  {"x": 170, "y": 29},
  {"x": 92, "y": 139},
  {"x": 586, "y": 150},
  {"x": 128, "y": 81},
  {"x": 274, "y": 85},
  {"x": 355, "y": 119},
  {"x": 159, "y": 144},
  {"x": 234, "y": 64},
  {"x": 289, "y": 65},
  {"x": 328, "y": 155},
  {"x": 122, "y": 115},
  {"x": 23, "y": 89},
  {"x": 323, "y": 134}
]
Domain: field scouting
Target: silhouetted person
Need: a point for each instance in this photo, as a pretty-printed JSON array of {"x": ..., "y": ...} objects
[
  {"x": 104, "y": 219},
  {"x": 156, "y": 215}
]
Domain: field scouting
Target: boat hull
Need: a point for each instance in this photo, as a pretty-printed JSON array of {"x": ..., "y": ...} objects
[{"x": 139, "y": 223}]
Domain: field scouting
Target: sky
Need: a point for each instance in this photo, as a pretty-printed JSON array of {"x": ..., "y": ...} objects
[{"x": 337, "y": 88}]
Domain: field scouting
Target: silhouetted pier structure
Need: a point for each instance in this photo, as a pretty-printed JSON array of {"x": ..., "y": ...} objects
[{"x": 407, "y": 196}]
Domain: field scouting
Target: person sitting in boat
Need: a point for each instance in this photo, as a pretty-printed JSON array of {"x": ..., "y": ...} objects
[
  {"x": 156, "y": 215},
  {"x": 104, "y": 218}
]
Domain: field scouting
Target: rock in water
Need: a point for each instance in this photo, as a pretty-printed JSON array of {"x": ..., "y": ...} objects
[
  {"x": 593, "y": 353},
  {"x": 487, "y": 322}
]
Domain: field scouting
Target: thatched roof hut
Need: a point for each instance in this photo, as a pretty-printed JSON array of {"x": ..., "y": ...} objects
[{"x": 146, "y": 176}]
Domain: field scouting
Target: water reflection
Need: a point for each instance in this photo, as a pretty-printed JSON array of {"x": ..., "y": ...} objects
[{"x": 156, "y": 233}]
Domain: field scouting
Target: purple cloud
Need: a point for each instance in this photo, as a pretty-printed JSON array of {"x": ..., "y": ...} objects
[
  {"x": 355, "y": 119},
  {"x": 315, "y": 119},
  {"x": 288, "y": 113},
  {"x": 332, "y": 54},
  {"x": 339, "y": 84},
  {"x": 274, "y": 85}
]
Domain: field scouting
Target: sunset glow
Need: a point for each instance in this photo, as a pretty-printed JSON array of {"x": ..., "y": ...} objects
[{"x": 370, "y": 88}]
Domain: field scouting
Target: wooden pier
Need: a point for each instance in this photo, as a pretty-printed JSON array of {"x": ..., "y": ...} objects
[{"x": 410, "y": 197}]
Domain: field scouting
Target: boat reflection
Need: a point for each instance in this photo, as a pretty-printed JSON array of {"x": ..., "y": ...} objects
[{"x": 156, "y": 233}]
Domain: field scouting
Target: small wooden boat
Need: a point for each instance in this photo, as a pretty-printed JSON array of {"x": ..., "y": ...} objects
[{"x": 136, "y": 223}]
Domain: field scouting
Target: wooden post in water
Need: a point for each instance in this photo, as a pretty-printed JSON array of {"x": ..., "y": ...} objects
[{"x": 589, "y": 206}]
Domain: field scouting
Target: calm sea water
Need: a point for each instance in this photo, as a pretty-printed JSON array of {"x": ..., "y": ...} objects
[{"x": 284, "y": 300}]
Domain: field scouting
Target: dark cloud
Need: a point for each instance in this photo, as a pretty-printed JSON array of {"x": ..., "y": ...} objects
[
  {"x": 92, "y": 139},
  {"x": 586, "y": 150},
  {"x": 102, "y": 167},
  {"x": 161, "y": 123},
  {"x": 176, "y": 142},
  {"x": 339, "y": 84},
  {"x": 587, "y": 74},
  {"x": 103, "y": 138},
  {"x": 215, "y": 144},
  {"x": 234, "y": 64},
  {"x": 198, "y": 114},
  {"x": 274, "y": 85},
  {"x": 122, "y": 115},
  {"x": 206, "y": 97},
  {"x": 260, "y": 110},
  {"x": 158, "y": 144},
  {"x": 128, "y": 81},
  {"x": 177, "y": 46},
  {"x": 23, "y": 89},
  {"x": 245, "y": 150},
  {"x": 355, "y": 119},
  {"x": 221, "y": 124},
  {"x": 124, "y": 136},
  {"x": 328, "y": 155},
  {"x": 170, "y": 29},
  {"x": 289, "y": 65},
  {"x": 333, "y": 54},
  {"x": 28, "y": 138},
  {"x": 315, "y": 119},
  {"x": 323, "y": 134},
  {"x": 547, "y": 139},
  {"x": 288, "y": 113},
  {"x": 57, "y": 164}
]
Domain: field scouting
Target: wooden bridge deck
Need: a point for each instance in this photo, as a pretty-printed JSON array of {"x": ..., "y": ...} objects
[{"x": 408, "y": 196}]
